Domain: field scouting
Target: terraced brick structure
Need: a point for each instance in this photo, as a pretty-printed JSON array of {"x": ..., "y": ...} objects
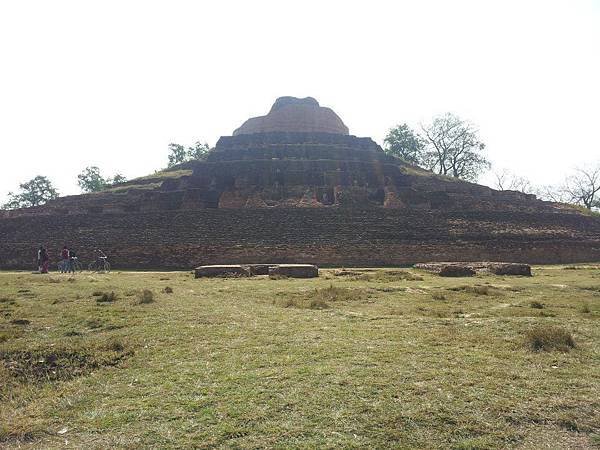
[{"x": 294, "y": 186}]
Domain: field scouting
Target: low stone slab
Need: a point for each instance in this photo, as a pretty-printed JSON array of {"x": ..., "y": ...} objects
[
  {"x": 222, "y": 271},
  {"x": 467, "y": 269},
  {"x": 510, "y": 269},
  {"x": 295, "y": 270},
  {"x": 259, "y": 269},
  {"x": 456, "y": 271},
  {"x": 447, "y": 269}
]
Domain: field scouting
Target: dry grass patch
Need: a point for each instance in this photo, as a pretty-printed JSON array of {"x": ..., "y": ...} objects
[
  {"x": 320, "y": 298},
  {"x": 59, "y": 364},
  {"x": 548, "y": 338},
  {"x": 438, "y": 296},
  {"x": 477, "y": 290},
  {"x": 94, "y": 324},
  {"x": 278, "y": 276},
  {"x": 20, "y": 322},
  {"x": 106, "y": 297},
  {"x": 386, "y": 276}
]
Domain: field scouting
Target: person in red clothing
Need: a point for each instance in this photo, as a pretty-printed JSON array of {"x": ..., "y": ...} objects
[{"x": 65, "y": 260}]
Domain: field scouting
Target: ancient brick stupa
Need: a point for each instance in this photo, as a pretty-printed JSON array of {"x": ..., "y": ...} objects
[{"x": 295, "y": 186}]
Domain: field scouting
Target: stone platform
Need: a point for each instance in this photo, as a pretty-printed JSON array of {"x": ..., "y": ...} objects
[
  {"x": 467, "y": 269},
  {"x": 294, "y": 271},
  {"x": 228, "y": 270}
]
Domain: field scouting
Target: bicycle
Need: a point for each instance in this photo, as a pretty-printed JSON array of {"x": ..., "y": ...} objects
[
  {"x": 76, "y": 266},
  {"x": 72, "y": 265},
  {"x": 63, "y": 265},
  {"x": 100, "y": 265}
]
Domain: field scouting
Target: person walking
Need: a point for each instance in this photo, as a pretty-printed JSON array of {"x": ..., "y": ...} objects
[
  {"x": 40, "y": 252},
  {"x": 45, "y": 260},
  {"x": 72, "y": 259},
  {"x": 65, "y": 260}
]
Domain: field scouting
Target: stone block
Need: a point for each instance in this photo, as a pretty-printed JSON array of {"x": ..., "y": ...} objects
[
  {"x": 259, "y": 269},
  {"x": 456, "y": 271},
  {"x": 510, "y": 269},
  {"x": 464, "y": 269},
  {"x": 222, "y": 271},
  {"x": 295, "y": 270}
]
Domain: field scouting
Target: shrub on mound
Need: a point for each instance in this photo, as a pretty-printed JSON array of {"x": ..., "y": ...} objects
[
  {"x": 548, "y": 338},
  {"x": 106, "y": 297},
  {"x": 146, "y": 296}
]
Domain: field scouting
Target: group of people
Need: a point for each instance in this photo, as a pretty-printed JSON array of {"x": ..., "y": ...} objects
[{"x": 66, "y": 265}]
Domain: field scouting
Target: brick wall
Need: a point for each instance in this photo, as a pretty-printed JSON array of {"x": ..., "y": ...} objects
[{"x": 324, "y": 236}]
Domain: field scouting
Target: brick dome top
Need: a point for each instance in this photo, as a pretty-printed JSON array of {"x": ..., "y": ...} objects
[{"x": 291, "y": 114}]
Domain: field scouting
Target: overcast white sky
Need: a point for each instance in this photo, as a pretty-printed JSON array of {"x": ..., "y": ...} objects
[{"x": 111, "y": 83}]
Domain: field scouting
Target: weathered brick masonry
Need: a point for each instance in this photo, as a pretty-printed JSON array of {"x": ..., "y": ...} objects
[{"x": 332, "y": 236}]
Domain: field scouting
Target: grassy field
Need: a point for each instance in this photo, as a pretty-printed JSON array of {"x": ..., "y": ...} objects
[{"x": 357, "y": 358}]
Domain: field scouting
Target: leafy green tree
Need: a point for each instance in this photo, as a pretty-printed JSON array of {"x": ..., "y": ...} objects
[
  {"x": 198, "y": 151},
  {"x": 91, "y": 180},
  {"x": 179, "y": 154},
  {"x": 118, "y": 178},
  {"x": 453, "y": 148},
  {"x": 404, "y": 143},
  {"x": 34, "y": 192}
]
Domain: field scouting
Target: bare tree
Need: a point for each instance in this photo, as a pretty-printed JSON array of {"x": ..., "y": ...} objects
[
  {"x": 583, "y": 187},
  {"x": 551, "y": 193},
  {"x": 508, "y": 181},
  {"x": 454, "y": 148}
]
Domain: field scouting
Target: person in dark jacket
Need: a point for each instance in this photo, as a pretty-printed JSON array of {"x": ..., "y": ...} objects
[
  {"x": 44, "y": 260},
  {"x": 72, "y": 259}
]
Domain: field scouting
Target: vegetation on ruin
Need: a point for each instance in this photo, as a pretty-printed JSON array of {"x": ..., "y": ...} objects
[
  {"x": 133, "y": 186},
  {"x": 372, "y": 358},
  {"x": 164, "y": 174},
  {"x": 448, "y": 145},
  {"x": 179, "y": 154},
  {"x": 91, "y": 180}
]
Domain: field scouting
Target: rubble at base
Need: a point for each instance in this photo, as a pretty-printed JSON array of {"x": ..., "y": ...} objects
[{"x": 248, "y": 270}]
